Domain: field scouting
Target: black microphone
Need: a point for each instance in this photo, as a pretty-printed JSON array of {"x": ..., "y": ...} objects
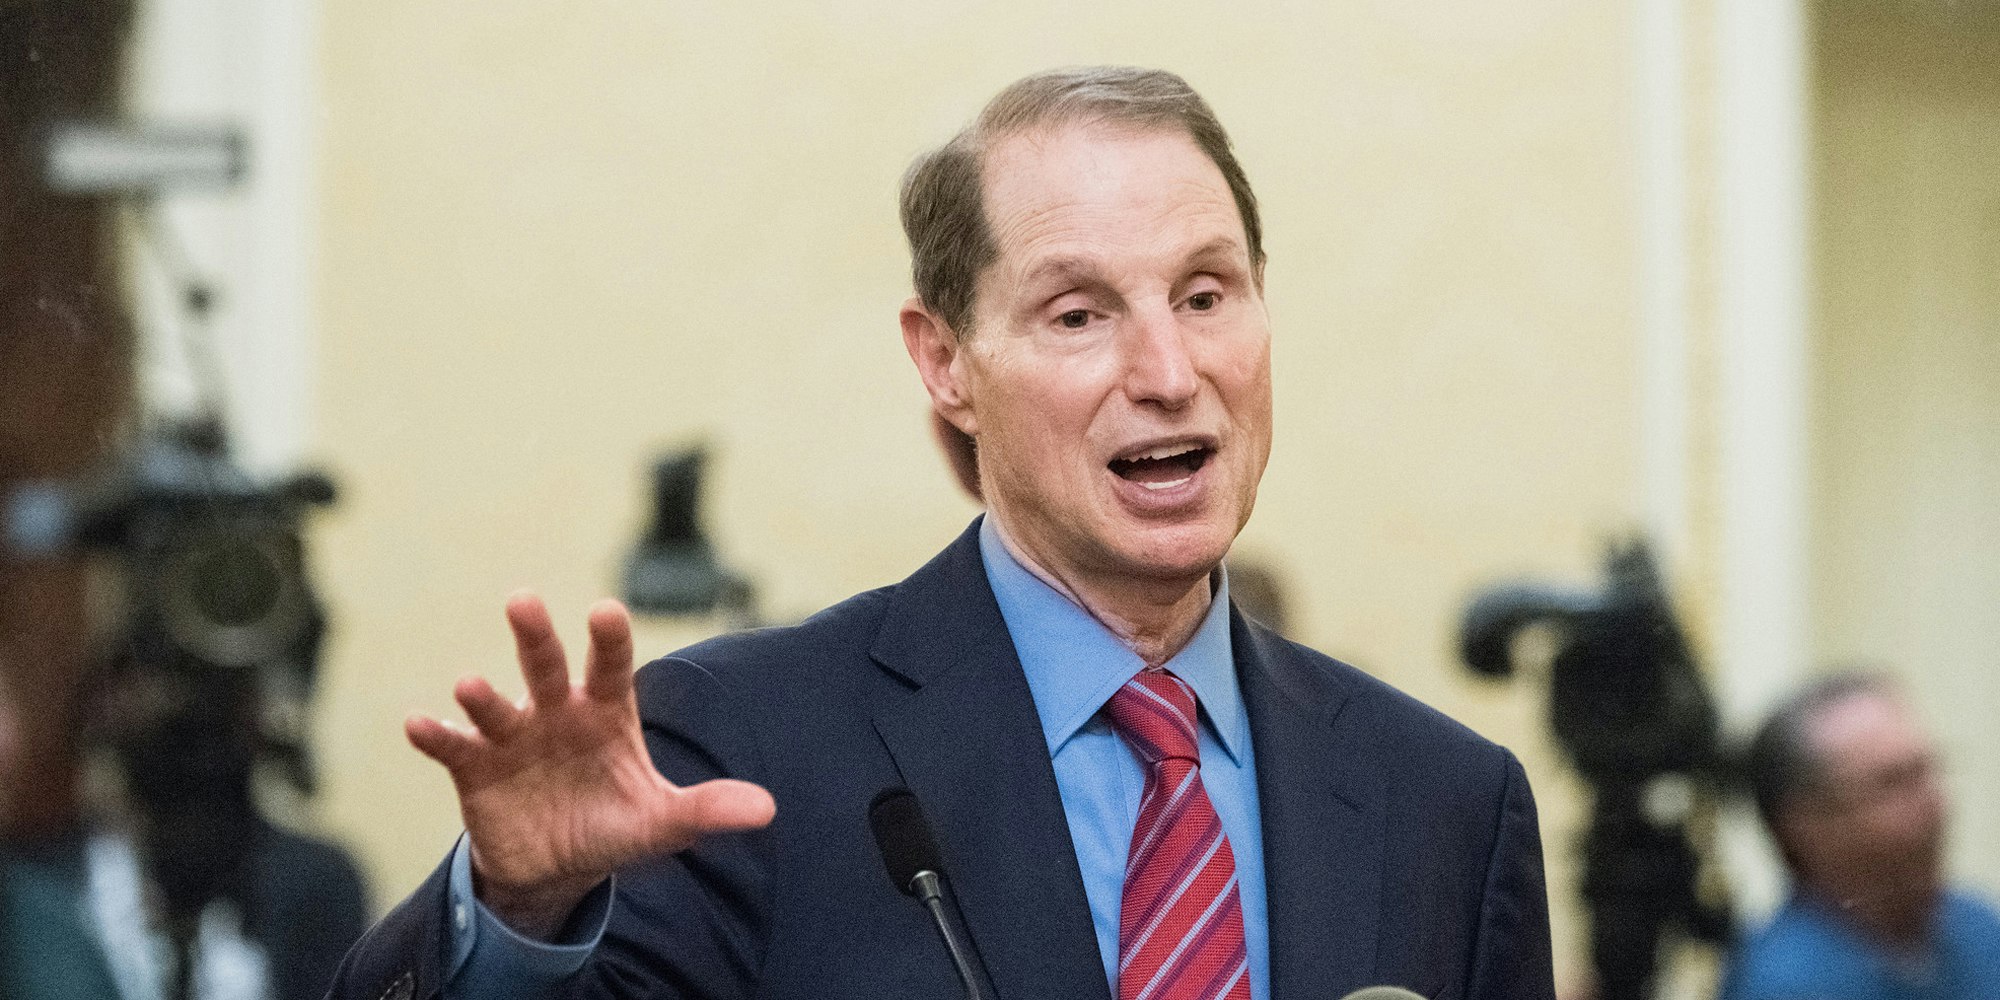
[
  {"x": 911, "y": 855},
  {"x": 1382, "y": 993}
]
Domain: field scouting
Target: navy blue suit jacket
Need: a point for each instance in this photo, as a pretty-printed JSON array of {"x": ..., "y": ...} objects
[{"x": 1399, "y": 847}]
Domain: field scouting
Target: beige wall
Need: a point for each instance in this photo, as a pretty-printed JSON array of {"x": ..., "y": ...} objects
[
  {"x": 1906, "y": 460},
  {"x": 552, "y": 241}
]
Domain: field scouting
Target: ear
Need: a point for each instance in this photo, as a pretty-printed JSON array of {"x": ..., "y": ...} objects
[{"x": 935, "y": 349}]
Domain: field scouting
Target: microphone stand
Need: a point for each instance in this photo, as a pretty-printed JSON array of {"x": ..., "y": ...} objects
[{"x": 926, "y": 885}]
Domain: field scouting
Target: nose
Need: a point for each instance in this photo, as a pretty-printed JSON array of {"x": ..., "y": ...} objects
[{"x": 1159, "y": 367}]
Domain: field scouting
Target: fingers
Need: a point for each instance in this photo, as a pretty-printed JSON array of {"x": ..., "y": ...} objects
[
  {"x": 438, "y": 741},
  {"x": 607, "y": 671},
  {"x": 495, "y": 716},
  {"x": 540, "y": 652},
  {"x": 725, "y": 805}
]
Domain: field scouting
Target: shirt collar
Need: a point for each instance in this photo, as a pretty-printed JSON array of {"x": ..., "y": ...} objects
[{"x": 1074, "y": 664}]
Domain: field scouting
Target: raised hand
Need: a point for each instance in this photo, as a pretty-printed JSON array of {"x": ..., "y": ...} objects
[{"x": 557, "y": 791}]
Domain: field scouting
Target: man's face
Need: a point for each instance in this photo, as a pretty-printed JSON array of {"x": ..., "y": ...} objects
[
  {"x": 1118, "y": 376},
  {"x": 1880, "y": 817}
]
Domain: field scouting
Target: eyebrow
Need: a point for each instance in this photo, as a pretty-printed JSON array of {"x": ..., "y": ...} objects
[
  {"x": 1083, "y": 270},
  {"x": 1076, "y": 269},
  {"x": 1222, "y": 246}
]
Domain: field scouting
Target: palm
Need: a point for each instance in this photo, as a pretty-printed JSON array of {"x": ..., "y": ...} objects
[{"x": 558, "y": 790}]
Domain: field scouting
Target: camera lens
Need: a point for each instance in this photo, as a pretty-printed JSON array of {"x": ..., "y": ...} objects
[{"x": 232, "y": 581}]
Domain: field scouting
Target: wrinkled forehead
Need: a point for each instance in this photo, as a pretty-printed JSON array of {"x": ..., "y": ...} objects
[
  {"x": 1081, "y": 158},
  {"x": 1104, "y": 183}
]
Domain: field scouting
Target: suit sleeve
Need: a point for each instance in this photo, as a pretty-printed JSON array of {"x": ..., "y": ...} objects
[
  {"x": 1511, "y": 959},
  {"x": 689, "y": 926}
]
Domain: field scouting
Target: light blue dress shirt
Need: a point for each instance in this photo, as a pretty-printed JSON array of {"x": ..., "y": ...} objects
[
  {"x": 1073, "y": 665},
  {"x": 486, "y": 958}
]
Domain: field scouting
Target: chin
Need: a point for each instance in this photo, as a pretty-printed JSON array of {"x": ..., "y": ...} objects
[{"x": 1178, "y": 552}]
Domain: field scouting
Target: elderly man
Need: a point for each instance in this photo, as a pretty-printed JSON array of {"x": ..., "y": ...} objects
[
  {"x": 1137, "y": 793},
  {"x": 1847, "y": 785}
]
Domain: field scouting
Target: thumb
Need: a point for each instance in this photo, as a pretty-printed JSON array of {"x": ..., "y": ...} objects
[{"x": 726, "y": 805}]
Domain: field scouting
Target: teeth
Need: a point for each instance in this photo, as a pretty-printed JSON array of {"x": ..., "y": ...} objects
[
  {"x": 1164, "y": 451},
  {"x": 1170, "y": 484}
]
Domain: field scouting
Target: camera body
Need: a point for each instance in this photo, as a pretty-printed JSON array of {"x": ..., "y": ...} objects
[
  {"x": 217, "y": 649},
  {"x": 1629, "y": 707}
]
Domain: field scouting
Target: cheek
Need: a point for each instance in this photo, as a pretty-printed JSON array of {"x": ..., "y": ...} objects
[
  {"x": 1251, "y": 407},
  {"x": 1922, "y": 817},
  {"x": 1891, "y": 830},
  {"x": 1044, "y": 410},
  {"x": 1035, "y": 439},
  {"x": 1242, "y": 367}
]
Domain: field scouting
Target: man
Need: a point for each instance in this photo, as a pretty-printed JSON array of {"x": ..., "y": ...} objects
[
  {"x": 1137, "y": 793},
  {"x": 187, "y": 865},
  {"x": 1847, "y": 785}
]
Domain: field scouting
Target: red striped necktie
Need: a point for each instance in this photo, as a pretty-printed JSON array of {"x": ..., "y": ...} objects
[{"x": 1180, "y": 925}]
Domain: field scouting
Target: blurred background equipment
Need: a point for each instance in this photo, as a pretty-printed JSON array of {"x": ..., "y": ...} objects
[
  {"x": 90, "y": 158},
  {"x": 673, "y": 569},
  {"x": 1630, "y": 710},
  {"x": 193, "y": 892},
  {"x": 177, "y": 885},
  {"x": 211, "y": 564}
]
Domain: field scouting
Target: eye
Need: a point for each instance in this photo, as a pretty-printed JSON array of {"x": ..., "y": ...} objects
[
  {"x": 1204, "y": 301},
  {"x": 1075, "y": 319}
]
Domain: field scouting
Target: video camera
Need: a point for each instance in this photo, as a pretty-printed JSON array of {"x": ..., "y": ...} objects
[
  {"x": 1628, "y": 705},
  {"x": 218, "y": 648}
]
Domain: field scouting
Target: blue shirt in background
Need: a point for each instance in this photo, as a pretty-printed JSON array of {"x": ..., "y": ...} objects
[
  {"x": 1073, "y": 665},
  {"x": 1809, "y": 952}
]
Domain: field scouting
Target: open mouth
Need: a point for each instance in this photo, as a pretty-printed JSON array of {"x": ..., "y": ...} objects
[{"x": 1164, "y": 467}]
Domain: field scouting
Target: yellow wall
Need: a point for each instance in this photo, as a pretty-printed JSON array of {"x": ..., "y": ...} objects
[
  {"x": 553, "y": 240},
  {"x": 1906, "y": 524}
]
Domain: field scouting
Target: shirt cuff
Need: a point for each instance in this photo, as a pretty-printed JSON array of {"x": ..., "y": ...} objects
[{"x": 487, "y": 958}]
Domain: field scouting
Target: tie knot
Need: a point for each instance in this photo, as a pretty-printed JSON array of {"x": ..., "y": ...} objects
[{"x": 1154, "y": 713}]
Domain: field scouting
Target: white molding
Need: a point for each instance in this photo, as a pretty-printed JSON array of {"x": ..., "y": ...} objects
[
  {"x": 1762, "y": 195},
  {"x": 1762, "y": 350},
  {"x": 250, "y": 62},
  {"x": 1664, "y": 402}
]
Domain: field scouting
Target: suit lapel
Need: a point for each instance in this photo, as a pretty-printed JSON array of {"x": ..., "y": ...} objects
[
  {"x": 967, "y": 741},
  {"x": 1322, "y": 814}
]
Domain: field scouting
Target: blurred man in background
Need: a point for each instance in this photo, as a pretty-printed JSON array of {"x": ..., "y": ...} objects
[{"x": 1847, "y": 783}]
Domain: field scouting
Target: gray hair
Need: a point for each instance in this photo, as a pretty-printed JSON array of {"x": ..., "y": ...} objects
[{"x": 944, "y": 212}]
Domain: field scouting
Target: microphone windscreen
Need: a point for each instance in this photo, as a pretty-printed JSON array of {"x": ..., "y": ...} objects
[
  {"x": 1382, "y": 993},
  {"x": 903, "y": 836}
]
